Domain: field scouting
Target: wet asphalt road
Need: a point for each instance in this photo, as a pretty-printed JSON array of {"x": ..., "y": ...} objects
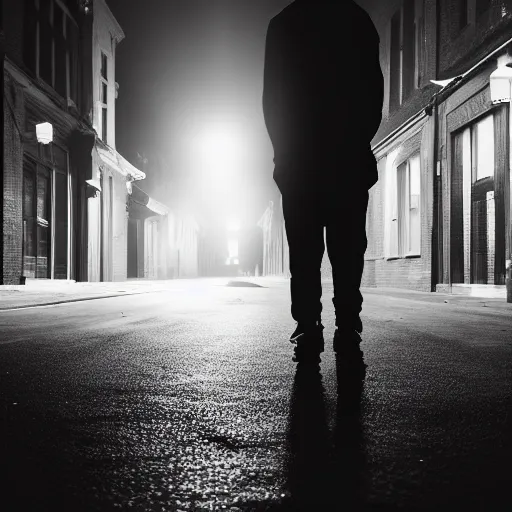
[{"x": 189, "y": 400}]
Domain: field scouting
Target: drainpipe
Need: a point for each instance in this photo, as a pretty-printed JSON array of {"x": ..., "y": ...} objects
[
  {"x": 437, "y": 260},
  {"x": 437, "y": 247},
  {"x": 508, "y": 210},
  {"x": 2, "y": 54}
]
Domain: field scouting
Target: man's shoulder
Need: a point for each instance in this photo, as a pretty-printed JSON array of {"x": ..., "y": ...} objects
[{"x": 332, "y": 9}]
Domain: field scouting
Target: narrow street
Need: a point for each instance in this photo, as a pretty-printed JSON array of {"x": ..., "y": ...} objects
[{"x": 187, "y": 399}]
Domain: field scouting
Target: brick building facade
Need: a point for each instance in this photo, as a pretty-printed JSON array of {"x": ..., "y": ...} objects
[
  {"x": 64, "y": 210},
  {"x": 473, "y": 149},
  {"x": 399, "y": 219},
  {"x": 43, "y": 82},
  {"x": 439, "y": 215},
  {"x": 111, "y": 172}
]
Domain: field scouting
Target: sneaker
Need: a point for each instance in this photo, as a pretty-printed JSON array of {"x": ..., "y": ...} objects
[
  {"x": 350, "y": 365},
  {"x": 345, "y": 338},
  {"x": 309, "y": 341}
]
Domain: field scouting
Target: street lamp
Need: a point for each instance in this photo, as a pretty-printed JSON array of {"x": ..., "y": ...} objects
[
  {"x": 44, "y": 133},
  {"x": 500, "y": 84}
]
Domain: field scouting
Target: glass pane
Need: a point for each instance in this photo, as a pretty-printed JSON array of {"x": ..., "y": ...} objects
[
  {"x": 60, "y": 267},
  {"x": 401, "y": 207},
  {"x": 60, "y": 53},
  {"x": 43, "y": 190},
  {"x": 104, "y": 66},
  {"x": 104, "y": 126},
  {"x": 45, "y": 153},
  {"x": 414, "y": 170},
  {"x": 28, "y": 196},
  {"x": 29, "y": 248},
  {"x": 414, "y": 205},
  {"x": 45, "y": 43},
  {"x": 42, "y": 200},
  {"x": 29, "y": 39},
  {"x": 72, "y": 37},
  {"x": 485, "y": 148},
  {"x": 60, "y": 157},
  {"x": 42, "y": 251},
  {"x": 104, "y": 93}
]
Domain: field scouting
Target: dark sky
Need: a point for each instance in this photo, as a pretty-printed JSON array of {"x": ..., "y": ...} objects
[{"x": 187, "y": 67}]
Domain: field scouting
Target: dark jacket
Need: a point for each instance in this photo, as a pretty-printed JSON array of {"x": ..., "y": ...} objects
[{"x": 322, "y": 92}]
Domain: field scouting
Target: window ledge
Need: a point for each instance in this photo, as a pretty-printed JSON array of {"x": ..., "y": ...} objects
[{"x": 404, "y": 257}]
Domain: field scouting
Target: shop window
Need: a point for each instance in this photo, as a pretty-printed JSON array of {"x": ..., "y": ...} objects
[
  {"x": 36, "y": 220},
  {"x": 61, "y": 214}
]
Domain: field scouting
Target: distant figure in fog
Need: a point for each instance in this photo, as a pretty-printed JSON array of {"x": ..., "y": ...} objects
[{"x": 322, "y": 103}]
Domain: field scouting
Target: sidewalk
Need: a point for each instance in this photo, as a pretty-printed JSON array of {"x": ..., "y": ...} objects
[
  {"x": 47, "y": 292},
  {"x": 427, "y": 297}
]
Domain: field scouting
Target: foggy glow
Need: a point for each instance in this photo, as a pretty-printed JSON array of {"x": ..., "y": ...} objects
[
  {"x": 233, "y": 248},
  {"x": 220, "y": 149},
  {"x": 233, "y": 225}
]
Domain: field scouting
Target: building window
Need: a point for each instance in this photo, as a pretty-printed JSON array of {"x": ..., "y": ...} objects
[
  {"x": 405, "y": 51},
  {"x": 405, "y": 233},
  {"x": 104, "y": 96},
  {"x": 50, "y": 45}
]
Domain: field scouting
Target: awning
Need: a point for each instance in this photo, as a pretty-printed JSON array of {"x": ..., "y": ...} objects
[
  {"x": 118, "y": 163},
  {"x": 157, "y": 207},
  {"x": 94, "y": 183},
  {"x": 140, "y": 197},
  {"x": 109, "y": 159},
  {"x": 129, "y": 169}
]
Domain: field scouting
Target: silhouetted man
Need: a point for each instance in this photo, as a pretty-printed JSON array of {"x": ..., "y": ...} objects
[{"x": 322, "y": 102}]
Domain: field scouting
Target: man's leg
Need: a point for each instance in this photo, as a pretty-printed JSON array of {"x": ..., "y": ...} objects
[
  {"x": 346, "y": 245},
  {"x": 305, "y": 234}
]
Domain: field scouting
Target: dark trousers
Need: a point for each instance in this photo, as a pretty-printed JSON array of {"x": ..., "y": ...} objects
[{"x": 342, "y": 212}]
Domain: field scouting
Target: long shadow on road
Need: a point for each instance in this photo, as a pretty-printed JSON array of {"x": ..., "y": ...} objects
[{"x": 326, "y": 471}]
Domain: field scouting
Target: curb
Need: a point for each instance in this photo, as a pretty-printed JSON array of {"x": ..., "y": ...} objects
[{"x": 76, "y": 299}]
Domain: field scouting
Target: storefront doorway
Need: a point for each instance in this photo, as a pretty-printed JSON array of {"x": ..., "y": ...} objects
[
  {"x": 477, "y": 214},
  {"x": 36, "y": 220},
  {"x": 46, "y": 215}
]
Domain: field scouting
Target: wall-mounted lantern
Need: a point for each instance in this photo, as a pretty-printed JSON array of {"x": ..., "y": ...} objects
[
  {"x": 500, "y": 81},
  {"x": 44, "y": 133}
]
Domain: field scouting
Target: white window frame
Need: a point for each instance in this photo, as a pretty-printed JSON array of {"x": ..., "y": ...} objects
[
  {"x": 104, "y": 81},
  {"x": 393, "y": 232}
]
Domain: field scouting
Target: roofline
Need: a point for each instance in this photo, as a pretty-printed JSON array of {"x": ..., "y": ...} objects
[{"x": 119, "y": 33}]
